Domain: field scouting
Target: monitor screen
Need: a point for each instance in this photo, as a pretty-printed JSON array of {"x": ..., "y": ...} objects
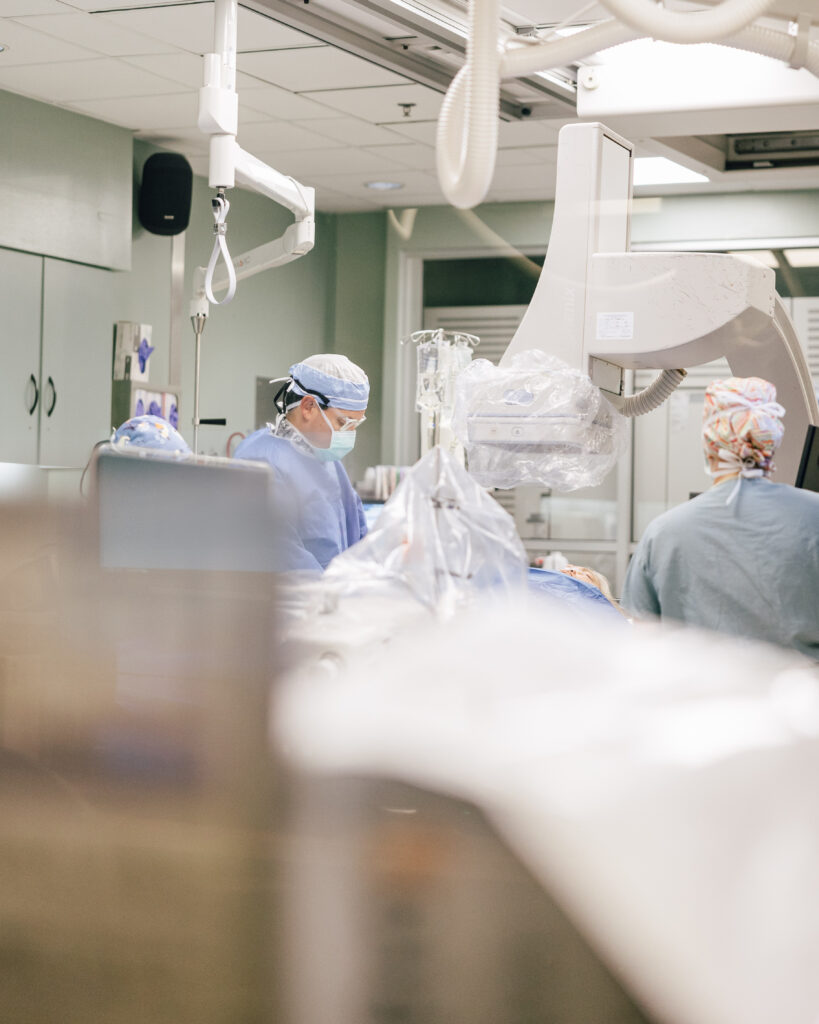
[
  {"x": 808, "y": 475},
  {"x": 197, "y": 513}
]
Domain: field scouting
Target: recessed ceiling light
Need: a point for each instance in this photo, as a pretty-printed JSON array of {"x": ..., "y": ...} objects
[
  {"x": 383, "y": 186},
  {"x": 3, "y": 47},
  {"x": 657, "y": 170}
]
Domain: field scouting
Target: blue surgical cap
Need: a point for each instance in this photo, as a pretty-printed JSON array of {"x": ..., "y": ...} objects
[
  {"x": 149, "y": 432},
  {"x": 332, "y": 377}
]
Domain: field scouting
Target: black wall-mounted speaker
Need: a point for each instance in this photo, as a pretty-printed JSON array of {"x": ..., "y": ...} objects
[{"x": 165, "y": 194}]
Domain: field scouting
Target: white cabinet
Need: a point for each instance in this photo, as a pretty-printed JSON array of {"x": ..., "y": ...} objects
[
  {"x": 21, "y": 283},
  {"x": 79, "y": 310},
  {"x": 56, "y": 347}
]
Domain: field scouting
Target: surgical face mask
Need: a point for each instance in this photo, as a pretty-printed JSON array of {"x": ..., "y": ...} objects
[{"x": 342, "y": 443}]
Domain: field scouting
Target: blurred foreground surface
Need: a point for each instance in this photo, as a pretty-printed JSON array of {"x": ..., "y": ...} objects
[{"x": 157, "y": 866}]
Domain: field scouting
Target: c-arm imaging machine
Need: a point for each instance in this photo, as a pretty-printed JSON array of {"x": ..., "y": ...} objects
[
  {"x": 603, "y": 309},
  {"x": 229, "y": 163}
]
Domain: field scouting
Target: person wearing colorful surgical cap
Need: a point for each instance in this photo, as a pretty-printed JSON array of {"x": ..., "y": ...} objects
[
  {"x": 743, "y": 557},
  {"x": 151, "y": 432},
  {"x": 321, "y": 405}
]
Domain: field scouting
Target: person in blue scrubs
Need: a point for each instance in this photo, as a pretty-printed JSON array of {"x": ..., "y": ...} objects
[
  {"x": 743, "y": 557},
  {"x": 321, "y": 405}
]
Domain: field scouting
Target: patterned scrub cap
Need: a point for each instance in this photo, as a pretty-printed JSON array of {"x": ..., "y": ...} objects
[{"x": 742, "y": 423}]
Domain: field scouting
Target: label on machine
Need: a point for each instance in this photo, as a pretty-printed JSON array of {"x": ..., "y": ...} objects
[{"x": 615, "y": 326}]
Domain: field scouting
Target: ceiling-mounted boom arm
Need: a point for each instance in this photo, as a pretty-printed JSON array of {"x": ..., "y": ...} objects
[{"x": 229, "y": 164}]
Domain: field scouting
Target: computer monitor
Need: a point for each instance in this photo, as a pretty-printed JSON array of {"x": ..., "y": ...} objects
[
  {"x": 808, "y": 475},
  {"x": 199, "y": 513}
]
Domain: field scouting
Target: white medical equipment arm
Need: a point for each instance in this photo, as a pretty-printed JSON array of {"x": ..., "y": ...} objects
[
  {"x": 603, "y": 309},
  {"x": 467, "y": 127},
  {"x": 229, "y": 163}
]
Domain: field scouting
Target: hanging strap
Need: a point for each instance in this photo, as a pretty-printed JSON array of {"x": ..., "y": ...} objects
[{"x": 220, "y": 212}]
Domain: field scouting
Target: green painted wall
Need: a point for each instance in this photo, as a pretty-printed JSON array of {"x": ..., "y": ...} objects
[
  {"x": 66, "y": 188},
  {"x": 358, "y": 320}
]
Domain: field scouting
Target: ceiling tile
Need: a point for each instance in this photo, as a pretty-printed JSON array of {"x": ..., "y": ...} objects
[
  {"x": 540, "y": 155},
  {"x": 421, "y": 131},
  {"x": 384, "y": 105},
  {"x": 284, "y": 105},
  {"x": 18, "y": 8},
  {"x": 110, "y": 5},
  {"x": 414, "y": 182},
  {"x": 200, "y": 166},
  {"x": 190, "y": 27},
  {"x": 342, "y": 161},
  {"x": 82, "y": 80},
  {"x": 187, "y": 69},
  {"x": 93, "y": 32},
  {"x": 278, "y": 137},
  {"x": 524, "y": 177},
  {"x": 143, "y": 113},
  {"x": 25, "y": 46},
  {"x": 322, "y": 67},
  {"x": 421, "y": 158},
  {"x": 189, "y": 141},
  {"x": 527, "y": 133},
  {"x": 353, "y": 132},
  {"x": 335, "y": 202}
]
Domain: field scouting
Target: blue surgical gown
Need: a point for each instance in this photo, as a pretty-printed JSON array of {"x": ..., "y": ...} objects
[
  {"x": 577, "y": 594},
  {"x": 319, "y": 513},
  {"x": 749, "y": 568}
]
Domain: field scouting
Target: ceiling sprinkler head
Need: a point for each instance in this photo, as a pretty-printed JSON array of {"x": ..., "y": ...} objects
[{"x": 407, "y": 108}]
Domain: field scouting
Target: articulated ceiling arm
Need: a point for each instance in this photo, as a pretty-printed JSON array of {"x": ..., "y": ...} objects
[
  {"x": 229, "y": 164},
  {"x": 686, "y": 309}
]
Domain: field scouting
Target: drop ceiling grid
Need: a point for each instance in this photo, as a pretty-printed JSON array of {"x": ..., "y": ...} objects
[
  {"x": 190, "y": 27},
  {"x": 300, "y": 71},
  {"x": 385, "y": 105},
  {"x": 309, "y": 163},
  {"x": 93, "y": 33},
  {"x": 25, "y": 46},
  {"x": 64, "y": 82}
]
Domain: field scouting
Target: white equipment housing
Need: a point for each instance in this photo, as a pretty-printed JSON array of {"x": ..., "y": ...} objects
[{"x": 603, "y": 309}]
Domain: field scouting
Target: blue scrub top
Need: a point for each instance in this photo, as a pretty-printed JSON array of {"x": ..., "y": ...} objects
[
  {"x": 749, "y": 568},
  {"x": 319, "y": 513}
]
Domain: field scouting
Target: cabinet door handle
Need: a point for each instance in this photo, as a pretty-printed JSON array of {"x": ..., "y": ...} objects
[
  {"x": 33, "y": 405},
  {"x": 50, "y": 409}
]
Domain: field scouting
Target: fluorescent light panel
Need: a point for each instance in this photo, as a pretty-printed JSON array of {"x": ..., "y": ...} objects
[
  {"x": 658, "y": 170},
  {"x": 763, "y": 256},
  {"x": 802, "y": 257}
]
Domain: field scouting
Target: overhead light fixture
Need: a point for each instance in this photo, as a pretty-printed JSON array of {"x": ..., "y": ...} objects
[
  {"x": 383, "y": 186},
  {"x": 3, "y": 47},
  {"x": 802, "y": 257},
  {"x": 658, "y": 170},
  {"x": 433, "y": 17},
  {"x": 763, "y": 256}
]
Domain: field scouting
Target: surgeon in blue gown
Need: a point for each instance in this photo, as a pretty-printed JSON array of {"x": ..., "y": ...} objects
[{"x": 321, "y": 405}]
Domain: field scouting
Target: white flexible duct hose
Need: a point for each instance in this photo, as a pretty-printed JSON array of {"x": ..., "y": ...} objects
[
  {"x": 526, "y": 60},
  {"x": 652, "y": 396},
  {"x": 467, "y": 139},
  {"x": 466, "y": 150},
  {"x": 770, "y": 43},
  {"x": 651, "y": 19}
]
